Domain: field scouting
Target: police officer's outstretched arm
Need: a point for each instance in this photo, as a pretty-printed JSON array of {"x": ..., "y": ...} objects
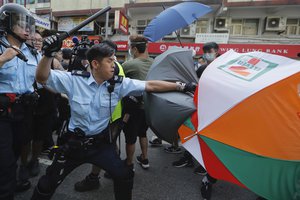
[
  {"x": 51, "y": 45},
  {"x": 165, "y": 86}
]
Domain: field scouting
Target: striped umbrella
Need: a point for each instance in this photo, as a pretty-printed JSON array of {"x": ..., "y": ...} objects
[{"x": 247, "y": 126}]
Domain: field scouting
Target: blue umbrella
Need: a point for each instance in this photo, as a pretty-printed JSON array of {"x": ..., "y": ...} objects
[{"x": 174, "y": 18}]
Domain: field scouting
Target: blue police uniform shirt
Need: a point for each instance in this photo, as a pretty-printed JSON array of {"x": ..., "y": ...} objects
[
  {"x": 16, "y": 75},
  {"x": 90, "y": 102}
]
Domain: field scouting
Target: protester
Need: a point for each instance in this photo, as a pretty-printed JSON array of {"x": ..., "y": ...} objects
[
  {"x": 211, "y": 52},
  {"x": 137, "y": 68},
  {"x": 88, "y": 139},
  {"x": 16, "y": 93}
]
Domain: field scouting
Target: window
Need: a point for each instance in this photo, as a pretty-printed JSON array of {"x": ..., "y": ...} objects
[
  {"x": 27, "y": 2},
  {"x": 202, "y": 26},
  {"x": 43, "y": 1},
  {"x": 244, "y": 26},
  {"x": 141, "y": 25},
  {"x": 293, "y": 27},
  {"x": 250, "y": 26}
]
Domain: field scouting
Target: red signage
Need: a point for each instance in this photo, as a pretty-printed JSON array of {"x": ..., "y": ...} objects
[
  {"x": 291, "y": 51},
  {"x": 286, "y": 50},
  {"x": 121, "y": 22}
]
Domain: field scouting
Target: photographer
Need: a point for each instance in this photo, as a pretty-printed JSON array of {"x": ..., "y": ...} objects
[
  {"x": 79, "y": 61},
  {"x": 91, "y": 106}
]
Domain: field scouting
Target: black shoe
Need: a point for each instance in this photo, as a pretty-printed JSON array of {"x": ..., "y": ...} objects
[
  {"x": 46, "y": 151},
  {"x": 206, "y": 190},
  {"x": 156, "y": 142},
  {"x": 22, "y": 185},
  {"x": 34, "y": 168},
  {"x": 131, "y": 166},
  {"x": 91, "y": 182},
  {"x": 143, "y": 162},
  {"x": 183, "y": 162},
  {"x": 23, "y": 173},
  {"x": 107, "y": 175},
  {"x": 172, "y": 149},
  {"x": 200, "y": 170}
]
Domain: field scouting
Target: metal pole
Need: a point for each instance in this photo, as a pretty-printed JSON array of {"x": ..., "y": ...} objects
[{"x": 106, "y": 22}]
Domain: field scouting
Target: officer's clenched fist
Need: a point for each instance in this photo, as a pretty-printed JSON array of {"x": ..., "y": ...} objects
[{"x": 51, "y": 45}]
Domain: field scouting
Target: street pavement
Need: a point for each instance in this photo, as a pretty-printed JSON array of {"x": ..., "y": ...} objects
[{"x": 161, "y": 181}]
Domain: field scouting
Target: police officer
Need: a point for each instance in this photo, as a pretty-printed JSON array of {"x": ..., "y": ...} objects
[
  {"x": 91, "y": 181},
  {"x": 91, "y": 106},
  {"x": 16, "y": 79}
]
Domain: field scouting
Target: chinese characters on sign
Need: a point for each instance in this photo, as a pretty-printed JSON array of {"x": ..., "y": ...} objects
[{"x": 219, "y": 38}]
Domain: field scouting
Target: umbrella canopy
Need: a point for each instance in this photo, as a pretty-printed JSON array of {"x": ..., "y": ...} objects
[
  {"x": 248, "y": 130},
  {"x": 165, "y": 112},
  {"x": 173, "y": 18}
]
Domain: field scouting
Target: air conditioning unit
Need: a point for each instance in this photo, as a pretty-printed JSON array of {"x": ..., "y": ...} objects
[
  {"x": 109, "y": 30},
  {"x": 221, "y": 24},
  {"x": 141, "y": 23},
  {"x": 275, "y": 23},
  {"x": 171, "y": 35},
  {"x": 189, "y": 31}
]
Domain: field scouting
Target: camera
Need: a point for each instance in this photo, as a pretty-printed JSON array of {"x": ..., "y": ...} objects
[{"x": 79, "y": 52}]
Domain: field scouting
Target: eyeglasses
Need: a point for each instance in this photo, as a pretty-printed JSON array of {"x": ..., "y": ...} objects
[{"x": 37, "y": 40}]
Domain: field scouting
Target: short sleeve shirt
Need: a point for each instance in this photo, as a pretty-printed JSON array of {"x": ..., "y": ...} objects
[
  {"x": 91, "y": 104},
  {"x": 16, "y": 75}
]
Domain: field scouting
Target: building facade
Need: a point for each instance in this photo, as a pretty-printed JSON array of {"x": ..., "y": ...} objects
[{"x": 265, "y": 25}]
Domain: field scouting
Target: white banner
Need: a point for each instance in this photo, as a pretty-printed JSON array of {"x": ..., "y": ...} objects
[
  {"x": 42, "y": 22},
  {"x": 67, "y": 23},
  {"x": 219, "y": 38}
]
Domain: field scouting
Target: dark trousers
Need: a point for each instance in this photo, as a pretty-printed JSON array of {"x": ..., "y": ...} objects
[
  {"x": 102, "y": 155},
  {"x": 13, "y": 133}
]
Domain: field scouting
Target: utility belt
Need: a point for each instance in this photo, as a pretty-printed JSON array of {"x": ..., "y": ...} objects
[
  {"x": 78, "y": 140},
  {"x": 10, "y": 102},
  {"x": 25, "y": 99}
]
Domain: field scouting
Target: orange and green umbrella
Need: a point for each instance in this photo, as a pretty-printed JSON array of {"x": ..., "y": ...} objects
[{"x": 247, "y": 126}]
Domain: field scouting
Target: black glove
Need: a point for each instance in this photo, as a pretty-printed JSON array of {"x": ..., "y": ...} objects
[
  {"x": 51, "y": 45},
  {"x": 190, "y": 87},
  {"x": 186, "y": 87}
]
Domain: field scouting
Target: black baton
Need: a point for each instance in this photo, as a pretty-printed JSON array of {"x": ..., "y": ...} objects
[
  {"x": 19, "y": 55},
  {"x": 82, "y": 24}
]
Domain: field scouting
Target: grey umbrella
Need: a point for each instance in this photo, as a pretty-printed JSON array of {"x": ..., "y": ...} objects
[{"x": 165, "y": 112}]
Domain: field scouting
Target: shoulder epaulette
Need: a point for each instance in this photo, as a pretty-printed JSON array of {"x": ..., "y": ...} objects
[{"x": 81, "y": 73}]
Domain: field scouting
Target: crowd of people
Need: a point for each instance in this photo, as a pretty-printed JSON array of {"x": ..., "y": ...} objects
[
  {"x": 42, "y": 95},
  {"x": 86, "y": 99}
]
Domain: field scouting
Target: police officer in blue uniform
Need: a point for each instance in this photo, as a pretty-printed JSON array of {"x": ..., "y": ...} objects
[
  {"x": 91, "y": 101},
  {"x": 16, "y": 79}
]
